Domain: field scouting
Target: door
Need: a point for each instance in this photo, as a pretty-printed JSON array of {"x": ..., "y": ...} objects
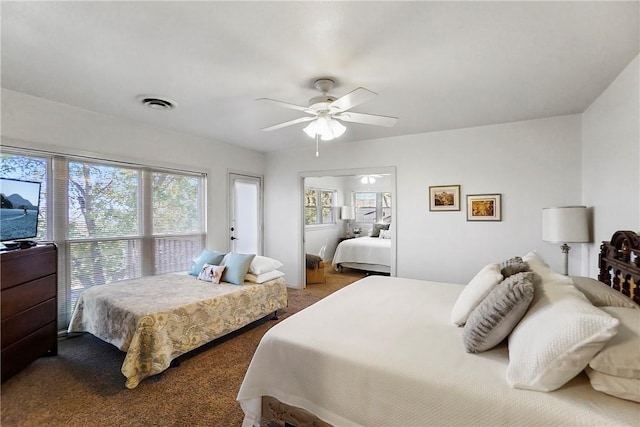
[{"x": 245, "y": 216}]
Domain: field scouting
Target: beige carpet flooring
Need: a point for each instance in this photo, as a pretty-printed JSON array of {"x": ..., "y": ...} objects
[{"x": 83, "y": 386}]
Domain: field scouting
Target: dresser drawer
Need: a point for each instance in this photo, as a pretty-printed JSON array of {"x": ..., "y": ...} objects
[
  {"x": 19, "y": 298},
  {"x": 20, "y": 354},
  {"x": 28, "y": 321},
  {"x": 22, "y": 266}
]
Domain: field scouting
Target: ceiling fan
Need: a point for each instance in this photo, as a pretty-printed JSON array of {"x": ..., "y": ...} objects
[
  {"x": 368, "y": 179},
  {"x": 326, "y": 112}
]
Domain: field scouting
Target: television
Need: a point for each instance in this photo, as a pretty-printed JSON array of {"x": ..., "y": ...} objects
[{"x": 19, "y": 207}]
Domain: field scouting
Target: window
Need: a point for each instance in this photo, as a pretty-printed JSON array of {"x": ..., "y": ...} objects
[
  {"x": 112, "y": 221},
  {"x": 319, "y": 206},
  {"x": 372, "y": 207}
]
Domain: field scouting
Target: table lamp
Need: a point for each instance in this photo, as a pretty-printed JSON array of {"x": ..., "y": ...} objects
[{"x": 566, "y": 224}]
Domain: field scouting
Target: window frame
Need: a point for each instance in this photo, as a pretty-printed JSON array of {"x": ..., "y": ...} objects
[
  {"x": 56, "y": 199},
  {"x": 318, "y": 214},
  {"x": 378, "y": 209}
]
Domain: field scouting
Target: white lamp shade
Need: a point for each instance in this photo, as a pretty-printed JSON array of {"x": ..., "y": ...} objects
[
  {"x": 347, "y": 212},
  {"x": 565, "y": 224}
]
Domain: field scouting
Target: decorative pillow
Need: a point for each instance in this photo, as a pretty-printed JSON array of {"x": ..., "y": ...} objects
[
  {"x": 542, "y": 269},
  {"x": 621, "y": 355},
  {"x": 384, "y": 234},
  {"x": 375, "y": 231},
  {"x": 475, "y": 291},
  {"x": 264, "y": 277},
  {"x": 602, "y": 295},
  {"x": 263, "y": 264},
  {"x": 205, "y": 257},
  {"x": 624, "y": 388},
  {"x": 496, "y": 316},
  {"x": 513, "y": 266},
  {"x": 237, "y": 267},
  {"x": 556, "y": 338},
  {"x": 211, "y": 273}
]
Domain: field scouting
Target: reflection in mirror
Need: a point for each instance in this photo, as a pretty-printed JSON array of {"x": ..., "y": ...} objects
[{"x": 348, "y": 220}]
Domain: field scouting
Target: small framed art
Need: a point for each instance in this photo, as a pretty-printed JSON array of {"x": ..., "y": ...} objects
[
  {"x": 444, "y": 198},
  {"x": 484, "y": 207}
]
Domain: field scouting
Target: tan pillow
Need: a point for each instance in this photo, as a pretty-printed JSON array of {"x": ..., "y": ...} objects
[
  {"x": 621, "y": 355},
  {"x": 602, "y": 295},
  {"x": 624, "y": 388}
]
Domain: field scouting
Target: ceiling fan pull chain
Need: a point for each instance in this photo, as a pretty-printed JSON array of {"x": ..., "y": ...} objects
[{"x": 317, "y": 151}]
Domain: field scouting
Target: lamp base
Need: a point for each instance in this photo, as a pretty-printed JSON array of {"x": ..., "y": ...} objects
[{"x": 565, "y": 257}]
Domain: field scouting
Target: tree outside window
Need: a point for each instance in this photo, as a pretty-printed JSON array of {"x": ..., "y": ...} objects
[{"x": 319, "y": 206}]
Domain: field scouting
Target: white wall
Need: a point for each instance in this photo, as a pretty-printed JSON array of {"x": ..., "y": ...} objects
[
  {"x": 534, "y": 164},
  {"x": 611, "y": 155},
  {"x": 37, "y": 123}
]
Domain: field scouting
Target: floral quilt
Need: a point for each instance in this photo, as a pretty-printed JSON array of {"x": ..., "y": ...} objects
[{"x": 155, "y": 319}]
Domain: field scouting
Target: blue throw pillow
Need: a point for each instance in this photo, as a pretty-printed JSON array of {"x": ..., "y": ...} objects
[
  {"x": 236, "y": 267},
  {"x": 206, "y": 257}
]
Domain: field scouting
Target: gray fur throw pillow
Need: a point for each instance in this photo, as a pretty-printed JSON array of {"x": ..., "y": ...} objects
[
  {"x": 501, "y": 310},
  {"x": 513, "y": 266}
]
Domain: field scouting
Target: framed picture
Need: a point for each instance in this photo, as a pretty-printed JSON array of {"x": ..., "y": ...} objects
[
  {"x": 444, "y": 198},
  {"x": 484, "y": 207}
]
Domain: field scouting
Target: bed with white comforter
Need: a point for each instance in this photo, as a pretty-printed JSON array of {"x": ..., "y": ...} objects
[
  {"x": 364, "y": 253},
  {"x": 384, "y": 352}
]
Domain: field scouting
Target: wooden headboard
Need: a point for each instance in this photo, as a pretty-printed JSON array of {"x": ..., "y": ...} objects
[{"x": 619, "y": 263}]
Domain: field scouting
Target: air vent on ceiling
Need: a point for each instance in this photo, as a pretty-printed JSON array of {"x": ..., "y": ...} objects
[{"x": 156, "y": 102}]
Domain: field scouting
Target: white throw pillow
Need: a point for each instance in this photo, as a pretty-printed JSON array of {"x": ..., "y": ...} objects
[
  {"x": 621, "y": 355},
  {"x": 542, "y": 269},
  {"x": 475, "y": 291},
  {"x": 262, "y": 264},
  {"x": 264, "y": 277},
  {"x": 624, "y": 388},
  {"x": 556, "y": 338},
  {"x": 385, "y": 234}
]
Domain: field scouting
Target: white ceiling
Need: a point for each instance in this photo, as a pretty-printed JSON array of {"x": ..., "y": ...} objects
[{"x": 435, "y": 65}]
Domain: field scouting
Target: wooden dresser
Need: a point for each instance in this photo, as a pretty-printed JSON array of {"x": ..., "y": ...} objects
[{"x": 28, "y": 278}]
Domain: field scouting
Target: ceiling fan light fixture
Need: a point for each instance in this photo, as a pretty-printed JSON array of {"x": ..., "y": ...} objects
[
  {"x": 367, "y": 179},
  {"x": 326, "y": 127}
]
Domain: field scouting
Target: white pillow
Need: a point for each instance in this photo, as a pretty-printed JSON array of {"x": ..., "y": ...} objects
[
  {"x": 262, "y": 264},
  {"x": 384, "y": 234},
  {"x": 624, "y": 388},
  {"x": 621, "y": 355},
  {"x": 475, "y": 291},
  {"x": 264, "y": 277},
  {"x": 542, "y": 269},
  {"x": 556, "y": 338}
]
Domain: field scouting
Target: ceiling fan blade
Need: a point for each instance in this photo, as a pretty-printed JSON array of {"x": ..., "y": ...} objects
[
  {"x": 367, "y": 119},
  {"x": 289, "y": 123},
  {"x": 288, "y": 105},
  {"x": 353, "y": 98}
]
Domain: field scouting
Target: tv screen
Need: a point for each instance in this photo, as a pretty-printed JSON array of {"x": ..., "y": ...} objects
[{"x": 19, "y": 204}]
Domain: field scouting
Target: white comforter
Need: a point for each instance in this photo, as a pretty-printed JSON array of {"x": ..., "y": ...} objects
[
  {"x": 383, "y": 352},
  {"x": 364, "y": 250}
]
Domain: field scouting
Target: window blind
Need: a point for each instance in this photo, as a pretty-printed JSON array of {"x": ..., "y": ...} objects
[{"x": 112, "y": 221}]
